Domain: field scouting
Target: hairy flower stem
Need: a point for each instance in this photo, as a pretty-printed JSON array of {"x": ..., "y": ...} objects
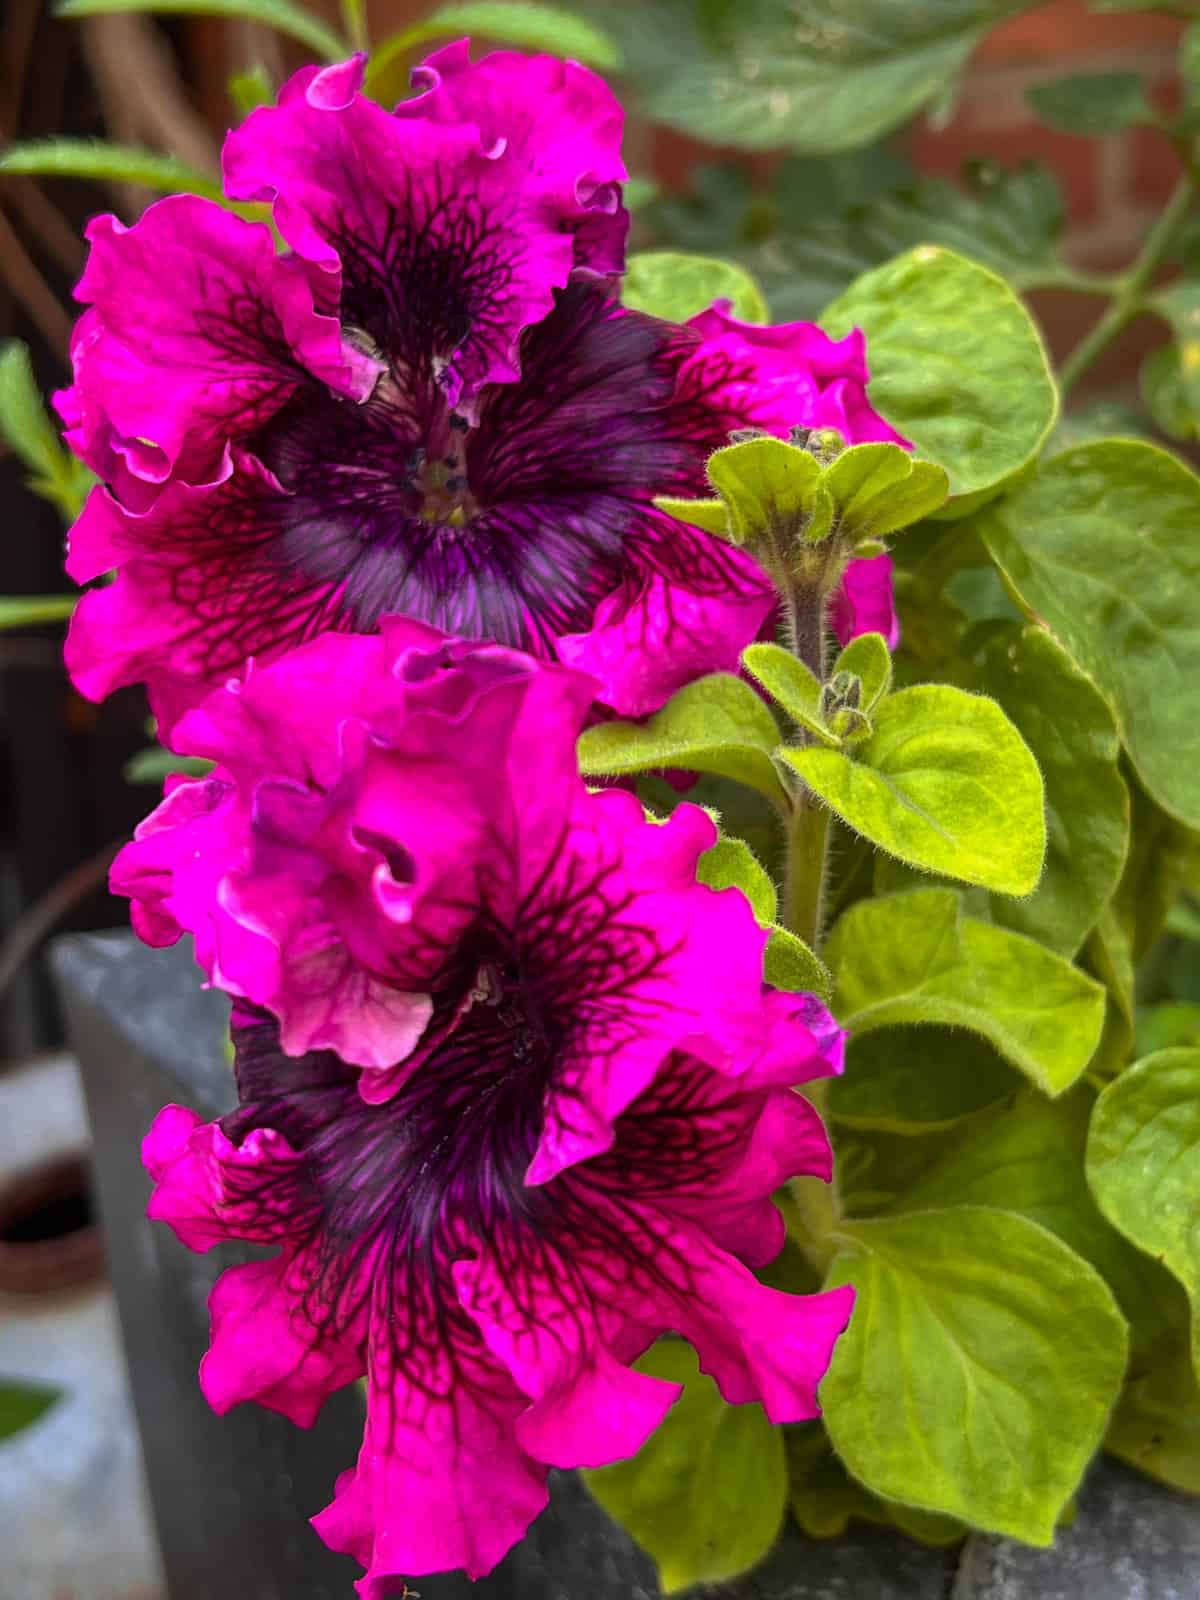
[
  {"x": 1127, "y": 301},
  {"x": 816, "y": 1205},
  {"x": 808, "y": 826}
]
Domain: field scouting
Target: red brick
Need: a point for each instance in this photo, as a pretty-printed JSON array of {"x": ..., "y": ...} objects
[
  {"x": 1073, "y": 161},
  {"x": 1154, "y": 167},
  {"x": 1066, "y": 28}
]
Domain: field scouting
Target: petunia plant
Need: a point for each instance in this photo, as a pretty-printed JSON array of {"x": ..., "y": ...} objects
[{"x": 685, "y": 809}]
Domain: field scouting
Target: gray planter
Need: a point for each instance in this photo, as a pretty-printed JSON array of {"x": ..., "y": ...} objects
[{"x": 231, "y": 1495}]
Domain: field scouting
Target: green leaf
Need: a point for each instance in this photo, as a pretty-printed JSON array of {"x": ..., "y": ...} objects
[
  {"x": 957, "y": 365},
  {"x": 880, "y": 488},
  {"x": 524, "y": 23},
  {"x": 979, "y": 1369},
  {"x": 1168, "y": 1026},
  {"x": 706, "y": 1494},
  {"x": 766, "y": 483},
  {"x": 1156, "y": 1426},
  {"x": 155, "y": 764},
  {"x": 1068, "y": 725},
  {"x": 1161, "y": 853},
  {"x": 760, "y": 75},
  {"x": 1143, "y": 1163},
  {"x": 1092, "y": 103},
  {"x": 278, "y": 14},
  {"x": 249, "y": 90},
  {"x": 554, "y": 29},
  {"x": 1179, "y": 303},
  {"x": 731, "y": 863},
  {"x": 119, "y": 163},
  {"x": 1029, "y": 1157},
  {"x": 27, "y": 610},
  {"x": 824, "y": 1497},
  {"x": 1105, "y": 417},
  {"x": 789, "y": 682},
  {"x": 789, "y": 964},
  {"x": 26, "y": 427},
  {"x": 945, "y": 782},
  {"x": 915, "y": 1080},
  {"x": 21, "y": 1404},
  {"x": 1008, "y": 221},
  {"x": 1107, "y": 954},
  {"x": 710, "y": 515},
  {"x": 1100, "y": 542},
  {"x": 1160, "y": 850},
  {"x": 869, "y": 659},
  {"x": 674, "y": 286},
  {"x": 912, "y": 958},
  {"x": 717, "y": 724},
  {"x": 1165, "y": 395}
]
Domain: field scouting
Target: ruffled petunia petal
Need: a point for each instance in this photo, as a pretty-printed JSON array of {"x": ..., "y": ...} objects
[{"x": 199, "y": 333}]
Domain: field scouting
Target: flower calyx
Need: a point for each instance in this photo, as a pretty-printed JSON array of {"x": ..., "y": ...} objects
[
  {"x": 807, "y": 505},
  {"x": 838, "y": 711}
]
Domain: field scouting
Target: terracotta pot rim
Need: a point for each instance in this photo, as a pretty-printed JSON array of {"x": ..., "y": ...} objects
[{"x": 64, "y": 1260}]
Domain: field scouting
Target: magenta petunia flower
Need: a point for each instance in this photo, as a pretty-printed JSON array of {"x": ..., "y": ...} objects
[
  {"x": 430, "y": 403},
  {"x": 513, "y": 1094},
  {"x": 494, "y": 1315}
]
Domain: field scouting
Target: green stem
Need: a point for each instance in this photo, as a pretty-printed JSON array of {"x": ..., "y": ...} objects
[
  {"x": 812, "y": 1211},
  {"x": 817, "y": 1204},
  {"x": 804, "y": 886},
  {"x": 1127, "y": 302},
  {"x": 808, "y": 826}
]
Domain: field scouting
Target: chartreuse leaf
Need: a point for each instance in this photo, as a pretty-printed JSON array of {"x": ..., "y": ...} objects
[
  {"x": 675, "y": 286},
  {"x": 979, "y": 1369},
  {"x": 1100, "y": 542},
  {"x": 767, "y": 484},
  {"x": 1028, "y": 1156},
  {"x": 1093, "y": 103},
  {"x": 912, "y": 958},
  {"x": 1143, "y": 1163},
  {"x": 957, "y": 365},
  {"x": 706, "y": 1494},
  {"x": 710, "y": 515},
  {"x": 1156, "y": 1426},
  {"x": 879, "y": 488},
  {"x": 731, "y": 863},
  {"x": 789, "y": 682},
  {"x": 278, "y": 14},
  {"x": 717, "y": 724},
  {"x": 21, "y": 1404},
  {"x": 788, "y": 963},
  {"x": 945, "y": 782},
  {"x": 869, "y": 659},
  {"x": 1068, "y": 725},
  {"x": 96, "y": 159}
]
